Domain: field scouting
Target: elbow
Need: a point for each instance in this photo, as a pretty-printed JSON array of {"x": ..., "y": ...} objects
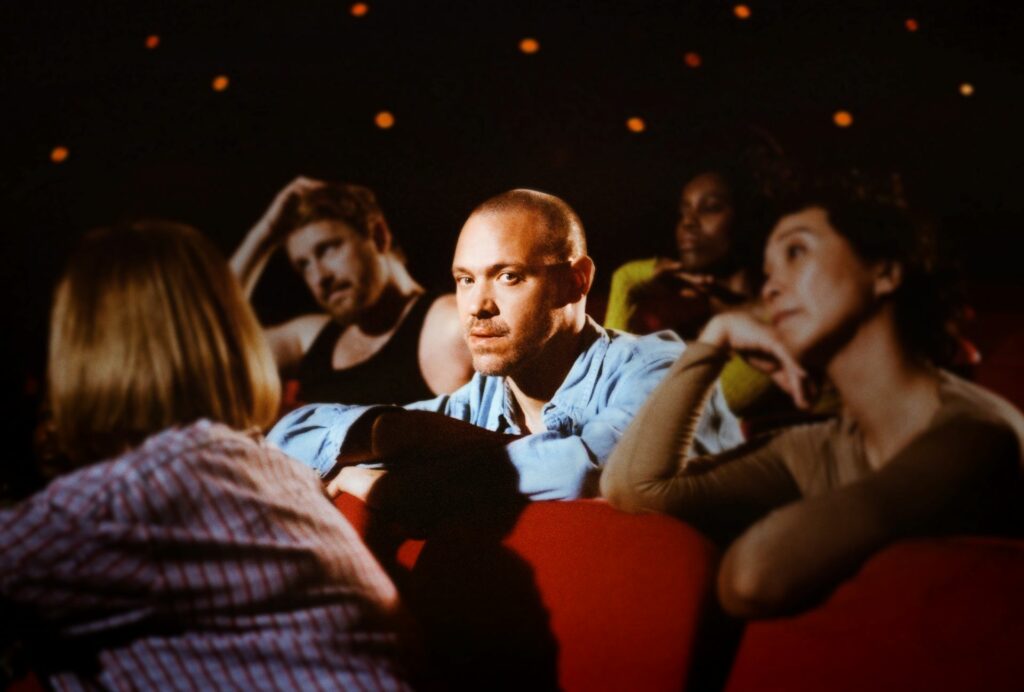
[
  {"x": 625, "y": 496},
  {"x": 616, "y": 493},
  {"x": 752, "y": 589}
]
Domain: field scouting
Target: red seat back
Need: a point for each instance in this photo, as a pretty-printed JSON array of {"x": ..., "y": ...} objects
[
  {"x": 938, "y": 614},
  {"x": 576, "y": 595}
]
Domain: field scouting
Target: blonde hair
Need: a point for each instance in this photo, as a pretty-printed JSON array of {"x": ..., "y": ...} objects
[{"x": 150, "y": 330}]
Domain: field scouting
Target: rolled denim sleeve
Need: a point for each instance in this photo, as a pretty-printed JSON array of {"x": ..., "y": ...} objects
[{"x": 314, "y": 434}]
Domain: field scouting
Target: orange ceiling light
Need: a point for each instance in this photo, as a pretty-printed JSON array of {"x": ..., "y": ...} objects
[
  {"x": 966, "y": 89},
  {"x": 636, "y": 124},
  {"x": 384, "y": 120},
  {"x": 842, "y": 118},
  {"x": 692, "y": 60},
  {"x": 59, "y": 154},
  {"x": 359, "y": 9},
  {"x": 741, "y": 11},
  {"x": 152, "y": 41},
  {"x": 529, "y": 46},
  {"x": 220, "y": 83},
  {"x": 911, "y": 24}
]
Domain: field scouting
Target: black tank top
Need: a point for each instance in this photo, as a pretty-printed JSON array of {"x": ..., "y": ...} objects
[{"x": 390, "y": 376}]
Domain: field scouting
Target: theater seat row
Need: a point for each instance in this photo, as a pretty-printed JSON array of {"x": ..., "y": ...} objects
[{"x": 579, "y": 596}]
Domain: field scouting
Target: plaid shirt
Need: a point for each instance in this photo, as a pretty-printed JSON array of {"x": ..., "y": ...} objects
[{"x": 203, "y": 559}]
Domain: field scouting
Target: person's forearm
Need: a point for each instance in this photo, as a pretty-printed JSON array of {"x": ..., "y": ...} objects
[
  {"x": 624, "y": 280},
  {"x": 800, "y": 552},
  {"x": 319, "y": 435},
  {"x": 250, "y": 259},
  {"x": 661, "y": 436}
]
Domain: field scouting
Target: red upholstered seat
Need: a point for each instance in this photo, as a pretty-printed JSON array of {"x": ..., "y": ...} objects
[
  {"x": 997, "y": 328},
  {"x": 575, "y": 595},
  {"x": 924, "y": 615},
  {"x": 389, "y": 547}
]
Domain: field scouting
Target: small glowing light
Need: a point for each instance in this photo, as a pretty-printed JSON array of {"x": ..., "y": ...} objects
[
  {"x": 384, "y": 120},
  {"x": 59, "y": 154},
  {"x": 152, "y": 41},
  {"x": 842, "y": 118},
  {"x": 529, "y": 46},
  {"x": 636, "y": 125},
  {"x": 911, "y": 24},
  {"x": 967, "y": 89},
  {"x": 692, "y": 59},
  {"x": 741, "y": 11},
  {"x": 220, "y": 83},
  {"x": 359, "y": 9}
]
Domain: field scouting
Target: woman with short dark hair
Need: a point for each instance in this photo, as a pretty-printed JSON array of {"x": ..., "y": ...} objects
[{"x": 852, "y": 294}]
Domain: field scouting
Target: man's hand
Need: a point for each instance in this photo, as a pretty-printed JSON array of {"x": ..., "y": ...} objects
[
  {"x": 269, "y": 228},
  {"x": 262, "y": 239},
  {"x": 354, "y": 480}
]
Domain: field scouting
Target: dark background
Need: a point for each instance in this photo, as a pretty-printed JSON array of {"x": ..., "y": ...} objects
[{"x": 474, "y": 116}]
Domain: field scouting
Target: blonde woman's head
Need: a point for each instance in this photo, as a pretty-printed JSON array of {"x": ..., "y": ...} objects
[{"x": 150, "y": 330}]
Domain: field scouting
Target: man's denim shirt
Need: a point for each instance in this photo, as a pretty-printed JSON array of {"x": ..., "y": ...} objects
[{"x": 585, "y": 418}]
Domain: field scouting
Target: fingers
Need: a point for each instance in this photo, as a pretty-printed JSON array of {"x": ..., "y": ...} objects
[
  {"x": 762, "y": 348},
  {"x": 794, "y": 375},
  {"x": 295, "y": 187},
  {"x": 303, "y": 183},
  {"x": 334, "y": 488},
  {"x": 694, "y": 279},
  {"x": 355, "y": 481}
]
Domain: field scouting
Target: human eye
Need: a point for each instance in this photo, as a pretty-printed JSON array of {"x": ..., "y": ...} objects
[
  {"x": 795, "y": 250},
  {"x": 712, "y": 205},
  {"x": 329, "y": 246},
  {"x": 509, "y": 278},
  {"x": 463, "y": 280}
]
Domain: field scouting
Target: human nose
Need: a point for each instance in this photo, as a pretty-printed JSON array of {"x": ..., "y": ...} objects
[
  {"x": 481, "y": 301},
  {"x": 319, "y": 275},
  {"x": 771, "y": 289},
  {"x": 688, "y": 217}
]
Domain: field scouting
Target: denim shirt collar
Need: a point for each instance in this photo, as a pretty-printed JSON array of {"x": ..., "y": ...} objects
[{"x": 577, "y": 389}]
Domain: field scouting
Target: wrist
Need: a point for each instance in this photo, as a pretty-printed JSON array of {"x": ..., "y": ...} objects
[{"x": 714, "y": 333}]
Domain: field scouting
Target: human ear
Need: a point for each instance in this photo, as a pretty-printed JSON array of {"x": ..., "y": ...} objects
[
  {"x": 380, "y": 234},
  {"x": 582, "y": 270},
  {"x": 888, "y": 277}
]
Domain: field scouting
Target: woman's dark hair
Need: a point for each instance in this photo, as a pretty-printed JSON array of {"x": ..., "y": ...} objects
[
  {"x": 753, "y": 166},
  {"x": 874, "y": 218}
]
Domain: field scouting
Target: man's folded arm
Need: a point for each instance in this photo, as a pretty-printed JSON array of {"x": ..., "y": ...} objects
[
  {"x": 319, "y": 434},
  {"x": 329, "y": 436}
]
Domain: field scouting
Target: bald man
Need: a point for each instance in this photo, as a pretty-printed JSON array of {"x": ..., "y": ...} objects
[{"x": 554, "y": 389}]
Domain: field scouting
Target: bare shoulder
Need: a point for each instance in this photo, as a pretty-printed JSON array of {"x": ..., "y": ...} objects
[
  {"x": 443, "y": 314},
  {"x": 444, "y": 358},
  {"x": 290, "y": 340}
]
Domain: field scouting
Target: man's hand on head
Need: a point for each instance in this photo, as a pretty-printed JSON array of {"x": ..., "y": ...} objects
[{"x": 270, "y": 226}]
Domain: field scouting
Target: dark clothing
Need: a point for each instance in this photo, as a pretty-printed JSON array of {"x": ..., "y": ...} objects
[{"x": 390, "y": 376}]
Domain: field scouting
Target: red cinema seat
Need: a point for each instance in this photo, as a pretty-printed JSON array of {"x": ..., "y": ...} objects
[
  {"x": 393, "y": 550},
  {"x": 1002, "y": 367},
  {"x": 943, "y": 614},
  {"x": 575, "y": 595},
  {"x": 997, "y": 329}
]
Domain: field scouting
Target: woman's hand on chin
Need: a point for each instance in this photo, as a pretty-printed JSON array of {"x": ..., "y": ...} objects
[{"x": 758, "y": 344}]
